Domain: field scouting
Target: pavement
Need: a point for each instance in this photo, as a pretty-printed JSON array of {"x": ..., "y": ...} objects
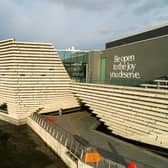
[{"x": 84, "y": 125}]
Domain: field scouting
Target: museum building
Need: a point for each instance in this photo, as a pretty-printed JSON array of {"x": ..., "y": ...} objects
[{"x": 125, "y": 85}]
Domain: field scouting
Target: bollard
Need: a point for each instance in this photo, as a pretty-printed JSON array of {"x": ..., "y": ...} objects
[{"x": 132, "y": 165}]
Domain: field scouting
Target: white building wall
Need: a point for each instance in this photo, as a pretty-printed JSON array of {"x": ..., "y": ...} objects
[
  {"x": 135, "y": 113},
  {"x": 32, "y": 76}
]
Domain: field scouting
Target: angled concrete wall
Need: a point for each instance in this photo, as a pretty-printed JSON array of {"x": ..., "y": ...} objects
[
  {"x": 32, "y": 77},
  {"x": 135, "y": 113}
]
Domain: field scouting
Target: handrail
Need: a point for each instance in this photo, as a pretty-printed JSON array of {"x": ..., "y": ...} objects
[{"x": 75, "y": 147}]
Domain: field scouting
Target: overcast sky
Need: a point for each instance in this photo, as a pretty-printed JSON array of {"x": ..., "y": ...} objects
[{"x": 85, "y": 24}]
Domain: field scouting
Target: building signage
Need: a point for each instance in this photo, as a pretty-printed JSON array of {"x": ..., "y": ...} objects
[{"x": 124, "y": 67}]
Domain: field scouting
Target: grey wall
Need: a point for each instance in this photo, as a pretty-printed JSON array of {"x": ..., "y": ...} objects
[
  {"x": 148, "y": 58},
  {"x": 94, "y": 66}
]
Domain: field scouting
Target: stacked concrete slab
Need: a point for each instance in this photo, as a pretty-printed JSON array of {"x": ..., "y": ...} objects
[
  {"x": 135, "y": 113},
  {"x": 32, "y": 78}
]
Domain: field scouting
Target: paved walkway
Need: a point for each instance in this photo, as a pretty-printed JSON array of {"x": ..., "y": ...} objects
[{"x": 83, "y": 124}]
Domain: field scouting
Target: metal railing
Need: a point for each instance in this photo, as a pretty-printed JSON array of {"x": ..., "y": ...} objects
[{"x": 75, "y": 148}]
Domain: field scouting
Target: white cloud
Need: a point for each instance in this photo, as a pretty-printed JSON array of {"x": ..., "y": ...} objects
[
  {"x": 85, "y": 24},
  {"x": 86, "y": 4},
  {"x": 147, "y": 6}
]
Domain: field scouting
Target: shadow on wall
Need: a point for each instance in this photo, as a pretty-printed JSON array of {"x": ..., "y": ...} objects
[{"x": 4, "y": 108}]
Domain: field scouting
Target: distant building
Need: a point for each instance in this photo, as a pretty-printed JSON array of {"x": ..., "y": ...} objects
[
  {"x": 132, "y": 60},
  {"x": 75, "y": 62}
]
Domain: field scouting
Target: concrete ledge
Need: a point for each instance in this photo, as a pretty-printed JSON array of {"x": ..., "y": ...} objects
[
  {"x": 12, "y": 120},
  {"x": 56, "y": 146}
]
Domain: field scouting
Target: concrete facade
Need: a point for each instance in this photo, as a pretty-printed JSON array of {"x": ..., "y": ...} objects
[
  {"x": 135, "y": 113},
  {"x": 32, "y": 78}
]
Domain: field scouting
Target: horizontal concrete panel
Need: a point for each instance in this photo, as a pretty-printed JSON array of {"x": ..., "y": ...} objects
[
  {"x": 127, "y": 96},
  {"x": 133, "y": 118},
  {"x": 161, "y": 127},
  {"x": 32, "y": 76},
  {"x": 125, "y": 103},
  {"x": 131, "y": 112},
  {"x": 120, "y": 87},
  {"x": 161, "y": 94},
  {"x": 27, "y": 52},
  {"x": 157, "y": 116}
]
